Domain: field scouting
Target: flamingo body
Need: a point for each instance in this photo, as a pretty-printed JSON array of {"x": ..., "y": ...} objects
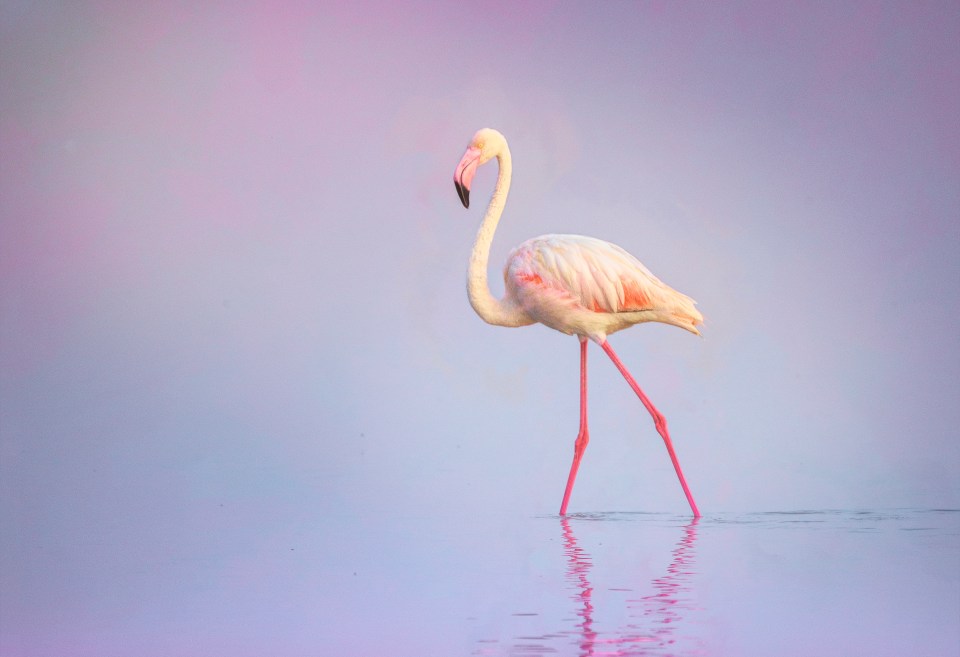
[
  {"x": 588, "y": 287},
  {"x": 577, "y": 285}
]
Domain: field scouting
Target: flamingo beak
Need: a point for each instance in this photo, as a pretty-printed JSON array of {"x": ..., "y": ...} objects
[{"x": 463, "y": 176}]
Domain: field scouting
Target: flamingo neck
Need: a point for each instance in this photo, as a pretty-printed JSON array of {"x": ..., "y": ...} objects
[{"x": 500, "y": 312}]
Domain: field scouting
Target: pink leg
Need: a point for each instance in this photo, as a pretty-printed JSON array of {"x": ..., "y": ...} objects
[
  {"x": 584, "y": 436},
  {"x": 658, "y": 420}
]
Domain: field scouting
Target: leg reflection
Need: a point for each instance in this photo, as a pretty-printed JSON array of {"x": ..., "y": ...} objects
[
  {"x": 671, "y": 599},
  {"x": 578, "y": 571},
  {"x": 655, "y": 618}
]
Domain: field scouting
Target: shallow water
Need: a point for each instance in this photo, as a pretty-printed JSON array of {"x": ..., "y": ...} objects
[
  {"x": 787, "y": 583},
  {"x": 792, "y": 583}
]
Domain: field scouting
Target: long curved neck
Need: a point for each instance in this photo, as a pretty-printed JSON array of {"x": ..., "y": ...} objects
[{"x": 503, "y": 312}]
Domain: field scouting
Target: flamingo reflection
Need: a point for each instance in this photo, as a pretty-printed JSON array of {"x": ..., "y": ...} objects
[{"x": 655, "y": 618}]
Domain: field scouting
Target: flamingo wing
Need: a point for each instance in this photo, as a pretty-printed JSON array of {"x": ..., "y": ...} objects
[{"x": 597, "y": 275}]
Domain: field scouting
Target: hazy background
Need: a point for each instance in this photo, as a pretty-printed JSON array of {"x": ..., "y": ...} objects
[{"x": 232, "y": 262}]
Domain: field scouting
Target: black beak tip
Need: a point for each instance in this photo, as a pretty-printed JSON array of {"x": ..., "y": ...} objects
[{"x": 463, "y": 193}]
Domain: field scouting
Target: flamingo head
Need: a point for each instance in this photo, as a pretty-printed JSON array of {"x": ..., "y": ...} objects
[{"x": 485, "y": 145}]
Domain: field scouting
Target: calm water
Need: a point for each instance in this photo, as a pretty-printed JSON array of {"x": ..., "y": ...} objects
[{"x": 794, "y": 583}]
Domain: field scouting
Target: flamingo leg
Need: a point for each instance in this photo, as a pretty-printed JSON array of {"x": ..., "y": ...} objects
[
  {"x": 659, "y": 421},
  {"x": 584, "y": 436}
]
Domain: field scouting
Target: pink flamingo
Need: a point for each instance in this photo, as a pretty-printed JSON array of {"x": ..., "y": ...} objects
[{"x": 577, "y": 285}]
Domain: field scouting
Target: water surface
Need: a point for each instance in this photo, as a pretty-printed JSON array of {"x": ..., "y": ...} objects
[
  {"x": 778, "y": 583},
  {"x": 257, "y": 582}
]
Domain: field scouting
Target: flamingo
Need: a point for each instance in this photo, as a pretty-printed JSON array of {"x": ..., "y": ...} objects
[{"x": 577, "y": 285}]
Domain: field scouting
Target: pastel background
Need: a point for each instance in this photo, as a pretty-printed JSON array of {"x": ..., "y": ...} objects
[{"x": 232, "y": 267}]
